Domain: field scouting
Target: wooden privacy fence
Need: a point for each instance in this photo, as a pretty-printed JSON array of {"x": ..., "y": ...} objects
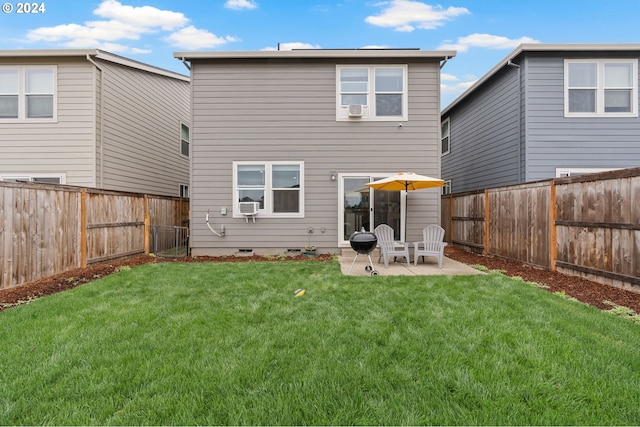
[
  {"x": 49, "y": 229},
  {"x": 587, "y": 225}
]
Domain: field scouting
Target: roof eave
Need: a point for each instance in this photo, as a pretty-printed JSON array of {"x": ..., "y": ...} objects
[{"x": 318, "y": 54}]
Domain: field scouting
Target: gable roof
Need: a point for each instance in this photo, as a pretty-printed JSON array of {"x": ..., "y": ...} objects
[
  {"x": 543, "y": 47},
  {"x": 91, "y": 53}
]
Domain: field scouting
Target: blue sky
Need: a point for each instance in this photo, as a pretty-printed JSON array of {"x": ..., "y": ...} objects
[{"x": 482, "y": 31}]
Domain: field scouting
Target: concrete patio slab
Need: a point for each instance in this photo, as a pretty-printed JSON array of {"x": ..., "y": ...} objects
[{"x": 400, "y": 268}]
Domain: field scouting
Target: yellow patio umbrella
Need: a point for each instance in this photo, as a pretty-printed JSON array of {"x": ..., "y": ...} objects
[{"x": 406, "y": 181}]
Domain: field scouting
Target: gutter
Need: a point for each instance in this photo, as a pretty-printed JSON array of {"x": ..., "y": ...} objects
[
  {"x": 102, "y": 84},
  {"x": 185, "y": 63},
  {"x": 512, "y": 64}
]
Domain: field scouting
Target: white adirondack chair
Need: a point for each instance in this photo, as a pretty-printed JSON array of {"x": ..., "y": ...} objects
[
  {"x": 432, "y": 244},
  {"x": 388, "y": 247}
]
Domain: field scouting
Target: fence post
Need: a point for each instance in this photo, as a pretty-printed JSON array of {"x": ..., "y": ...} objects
[
  {"x": 451, "y": 218},
  {"x": 147, "y": 224},
  {"x": 83, "y": 228},
  {"x": 553, "y": 245},
  {"x": 486, "y": 221}
]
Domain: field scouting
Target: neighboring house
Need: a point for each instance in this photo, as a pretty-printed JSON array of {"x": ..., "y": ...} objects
[
  {"x": 545, "y": 111},
  {"x": 297, "y": 134},
  {"x": 92, "y": 118}
]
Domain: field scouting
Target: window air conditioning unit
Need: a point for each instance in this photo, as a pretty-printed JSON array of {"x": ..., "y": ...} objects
[
  {"x": 355, "y": 110},
  {"x": 249, "y": 209}
]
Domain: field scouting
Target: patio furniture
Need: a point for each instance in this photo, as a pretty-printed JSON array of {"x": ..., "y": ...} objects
[
  {"x": 388, "y": 247},
  {"x": 432, "y": 244}
]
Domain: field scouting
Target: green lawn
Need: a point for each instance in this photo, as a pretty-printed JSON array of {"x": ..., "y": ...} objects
[{"x": 185, "y": 344}]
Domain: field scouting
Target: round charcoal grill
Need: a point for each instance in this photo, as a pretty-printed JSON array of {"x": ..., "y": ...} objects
[{"x": 364, "y": 243}]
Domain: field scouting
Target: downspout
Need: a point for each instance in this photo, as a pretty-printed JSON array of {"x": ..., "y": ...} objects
[
  {"x": 101, "y": 139},
  {"x": 520, "y": 153},
  {"x": 184, "y": 62},
  {"x": 444, "y": 61}
]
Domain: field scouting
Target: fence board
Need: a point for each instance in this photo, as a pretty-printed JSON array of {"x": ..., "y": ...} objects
[
  {"x": 42, "y": 231},
  {"x": 593, "y": 229}
]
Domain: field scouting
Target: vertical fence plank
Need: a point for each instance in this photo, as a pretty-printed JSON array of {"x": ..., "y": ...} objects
[
  {"x": 553, "y": 232},
  {"x": 83, "y": 228}
]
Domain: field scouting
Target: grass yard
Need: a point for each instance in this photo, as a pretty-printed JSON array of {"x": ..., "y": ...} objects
[{"x": 227, "y": 343}]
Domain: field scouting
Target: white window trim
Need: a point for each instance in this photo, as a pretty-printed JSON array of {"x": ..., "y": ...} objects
[
  {"x": 267, "y": 212},
  {"x": 447, "y": 120},
  {"x": 188, "y": 142},
  {"x": 600, "y": 88},
  {"x": 446, "y": 189},
  {"x": 22, "y": 97},
  {"x": 342, "y": 111},
  {"x": 182, "y": 187},
  {"x": 31, "y": 176},
  {"x": 565, "y": 172}
]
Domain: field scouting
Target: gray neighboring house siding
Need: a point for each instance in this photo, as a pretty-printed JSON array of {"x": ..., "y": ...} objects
[
  {"x": 281, "y": 106},
  {"x": 495, "y": 143},
  {"x": 117, "y": 125}
]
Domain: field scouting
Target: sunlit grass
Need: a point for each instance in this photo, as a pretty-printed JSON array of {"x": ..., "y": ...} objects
[{"x": 221, "y": 344}]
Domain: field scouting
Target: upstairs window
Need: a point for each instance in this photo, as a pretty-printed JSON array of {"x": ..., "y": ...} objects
[
  {"x": 371, "y": 93},
  {"x": 9, "y": 93},
  {"x": 27, "y": 93},
  {"x": 445, "y": 144},
  {"x": 601, "y": 88},
  {"x": 184, "y": 140}
]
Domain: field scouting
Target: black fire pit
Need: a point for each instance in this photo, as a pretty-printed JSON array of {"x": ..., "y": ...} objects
[{"x": 364, "y": 243}]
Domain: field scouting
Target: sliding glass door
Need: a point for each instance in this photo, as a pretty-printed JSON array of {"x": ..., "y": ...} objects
[{"x": 365, "y": 208}]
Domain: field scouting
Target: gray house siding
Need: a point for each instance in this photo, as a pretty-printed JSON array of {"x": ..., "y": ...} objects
[
  {"x": 117, "y": 124},
  {"x": 555, "y": 141},
  {"x": 140, "y": 125},
  {"x": 65, "y": 146},
  {"x": 484, "y": 137},
  {"x": 278, "y": 111}
]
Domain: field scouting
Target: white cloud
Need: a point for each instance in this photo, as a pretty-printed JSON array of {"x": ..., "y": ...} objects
[
  {"x": 193, "y": 39},
  {"x": 407, "y": 15},
  {"x": 144, "y": 16},
  {"x": 124, "y": 22},
  {"x": 294, "y": 45},
  {"x": 488, "y": 41},
  {"x": 448, "y": 77},
  {"x": 240, "y": 4},
  {"x": 457, "y": 88}
]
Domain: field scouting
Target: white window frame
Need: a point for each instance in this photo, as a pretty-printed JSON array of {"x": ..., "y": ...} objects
[
  {"x": 600, "y": 88},
  {"x": 448, "y": 135},
  {"x": 188, "y": 141},
  {"x": 267, "y": 212},
  {"x": 369, "y": 110},
  {"x": 446, "y": 189},
  {"x": 33, "y": 177},
  {"x": 22, "y": 95},
  {"x": 183, "y": 190}
]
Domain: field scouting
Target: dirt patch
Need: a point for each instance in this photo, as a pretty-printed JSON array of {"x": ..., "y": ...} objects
[{"x": 581, "y": 289}]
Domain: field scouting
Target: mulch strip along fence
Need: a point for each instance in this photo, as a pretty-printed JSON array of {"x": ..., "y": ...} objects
[{"x": 587, "y": 225}]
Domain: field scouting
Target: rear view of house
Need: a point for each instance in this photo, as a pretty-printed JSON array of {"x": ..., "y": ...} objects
[
  {"x": 92, "y": 118},
  {"x": 283, "y": 143}
]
